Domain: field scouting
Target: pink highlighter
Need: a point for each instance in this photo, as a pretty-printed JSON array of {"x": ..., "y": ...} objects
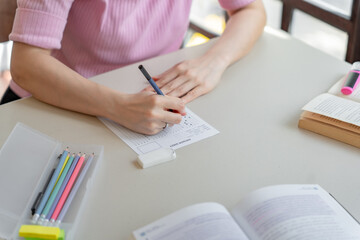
[{"x": 352, "y": 79}]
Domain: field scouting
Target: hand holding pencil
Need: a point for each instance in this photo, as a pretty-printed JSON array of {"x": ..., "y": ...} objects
[{"x": 148, "y": 113}]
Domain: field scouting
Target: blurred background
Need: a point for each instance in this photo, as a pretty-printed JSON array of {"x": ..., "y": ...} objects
[
  {"x": 208, "y": 17},
  {"x": 312, "y": 31}
]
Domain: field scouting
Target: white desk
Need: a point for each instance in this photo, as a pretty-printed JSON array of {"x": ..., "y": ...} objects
[{"x": 255, "y": 108}]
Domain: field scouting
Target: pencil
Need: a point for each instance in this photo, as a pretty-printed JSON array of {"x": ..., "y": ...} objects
[
  {"x": 65, "y": 208},
  {"x": 56, "y": 189},
  {"x": 50, "y": 186},
  {"x": 68, "y": 187},
  {"x": 63, "y": 185},
  {"x": 41, "y": 194}
]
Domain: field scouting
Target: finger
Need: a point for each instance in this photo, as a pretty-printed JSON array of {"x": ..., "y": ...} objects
[
  {"x": 156, "y": 125},
  {"x": 166, "y": 77},
  {"x": 171, "y": 118},
  {"x": 153, "y": 131},
  {"x": 168, "y": 73},
  {"x": 148, "y": 89},
  {"x": 174, "y": 84},
  {"x": 176, "y": 105},
  {"x": 182, "y": 89},
  {"x": 194, "y": 93},
  {"x": 160, "y": 82}
]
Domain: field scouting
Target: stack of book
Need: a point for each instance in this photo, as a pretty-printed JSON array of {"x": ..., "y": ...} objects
[{"x": 334, "y": 114}]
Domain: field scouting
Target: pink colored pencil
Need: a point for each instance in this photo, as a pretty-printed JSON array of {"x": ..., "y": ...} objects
[{"x": 68, "y": 187}]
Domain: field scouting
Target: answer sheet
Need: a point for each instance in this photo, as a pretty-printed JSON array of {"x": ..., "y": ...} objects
[{"x": 191, "y": 129}]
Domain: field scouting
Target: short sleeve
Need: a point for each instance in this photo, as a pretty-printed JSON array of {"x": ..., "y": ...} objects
[
  {"x": 41, "y": 23},
  {"x": 234, "y": 4}
]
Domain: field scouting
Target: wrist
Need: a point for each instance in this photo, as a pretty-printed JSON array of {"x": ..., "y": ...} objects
[
  {"x": 113, "y": 103},
  {"x": 218, "y": 59}
]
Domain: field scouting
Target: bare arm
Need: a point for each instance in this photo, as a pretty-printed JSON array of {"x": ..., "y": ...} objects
[
  {"x": 50, "y": 81},
  {"x": 193, "y": 78},
  {"x": 242, "y": 30}
]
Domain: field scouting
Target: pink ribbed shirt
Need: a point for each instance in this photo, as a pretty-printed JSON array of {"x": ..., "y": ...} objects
[{"x": 96, "y": 36}]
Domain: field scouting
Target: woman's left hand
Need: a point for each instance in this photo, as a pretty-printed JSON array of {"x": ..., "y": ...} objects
[{"x": 191, "y": 78}]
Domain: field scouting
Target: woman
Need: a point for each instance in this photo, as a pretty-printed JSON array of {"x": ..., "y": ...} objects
[{"x": 59, "y": 44}]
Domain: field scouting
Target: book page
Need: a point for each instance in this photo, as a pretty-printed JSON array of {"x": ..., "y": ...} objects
[
  {"x": 201, "y": 221},
  {"x": 335, "y": 107},
  {"x": 336, "y": 90},
  {"x": 294, "y": 212}
]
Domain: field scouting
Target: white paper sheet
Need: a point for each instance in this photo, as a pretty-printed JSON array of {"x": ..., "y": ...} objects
[
  {"x": 191, "y": 129},
  {"x": 130, "y": 80}
]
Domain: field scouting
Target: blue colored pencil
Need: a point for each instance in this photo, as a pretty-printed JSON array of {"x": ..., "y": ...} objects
[
  {"x": 63, "y": 185},
  {"x": 50, "y": 186},
  {"x": 74, "y": 190},
  {"x": 56, "y": 189}
]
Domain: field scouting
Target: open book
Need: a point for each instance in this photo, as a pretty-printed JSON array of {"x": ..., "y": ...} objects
[
  {"x": 272, "y": 213},
  {"x": 334, "y": 115}
]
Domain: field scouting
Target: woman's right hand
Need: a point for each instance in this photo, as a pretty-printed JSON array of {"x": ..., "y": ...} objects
[
  {"x": 146, "y": 112},
  {"x": 50, "y": 81}
]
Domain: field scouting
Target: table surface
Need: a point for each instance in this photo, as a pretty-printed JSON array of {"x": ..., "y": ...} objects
[{"x": 256, "y": 108}]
